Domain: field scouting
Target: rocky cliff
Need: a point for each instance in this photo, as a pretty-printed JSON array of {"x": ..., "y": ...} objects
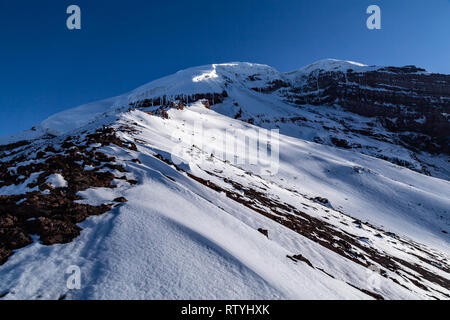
[{"x": 405, "y": 100}]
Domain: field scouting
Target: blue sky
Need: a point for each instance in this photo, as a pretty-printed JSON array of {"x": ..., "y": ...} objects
[{"x": 46, "y": 68}]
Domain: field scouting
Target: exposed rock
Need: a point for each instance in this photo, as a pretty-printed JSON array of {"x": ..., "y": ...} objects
[
  {"x": 164, "y": 114},
  {"x": 238, "y": 114},
  {"x": 182, "y": 100},
  {"x": 273, "y": 86},
  {"x": 53, "y": 215},
  {"x": 12, "y": 146},
  {"x": 264, "y": 232},
  {"x": 321, "y": 200},
  {"x": 341, "y": 143},
  {"x": 53, "y": 231},
  {"x": 404, "y": 100},
  {"x": 4, "y": 254},
  {"x": 180, "y": 106},
  {"x": 206, "y": 103},
  {"x": 299, "y": 257}
]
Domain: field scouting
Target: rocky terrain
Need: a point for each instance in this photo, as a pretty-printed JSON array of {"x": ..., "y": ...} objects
[{"x": 408, "y": 101}]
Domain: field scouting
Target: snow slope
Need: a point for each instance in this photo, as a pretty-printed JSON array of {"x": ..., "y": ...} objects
[
  {"x": 176, "y": 238},
  {"x": 366, "y": 188}
]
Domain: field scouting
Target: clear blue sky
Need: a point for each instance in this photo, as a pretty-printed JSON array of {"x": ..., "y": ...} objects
[{"x": 45, "y": 68}]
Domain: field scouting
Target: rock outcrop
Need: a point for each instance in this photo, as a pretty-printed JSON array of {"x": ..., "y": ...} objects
[{"x": 407, "y": 100}]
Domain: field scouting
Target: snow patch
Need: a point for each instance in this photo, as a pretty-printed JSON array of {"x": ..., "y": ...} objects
[{"x": 57, "y": 181}]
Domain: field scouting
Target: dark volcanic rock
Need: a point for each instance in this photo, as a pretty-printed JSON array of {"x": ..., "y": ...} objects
[
  {"x": 53, "y": 231},
  {"x": 53, "y": 213},
  {"x": 342, "y": 143},
  {"x": 264, "y": 232},
  {"x": 405, "y": 100}
]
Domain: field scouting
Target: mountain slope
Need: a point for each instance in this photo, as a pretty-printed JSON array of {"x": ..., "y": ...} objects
[{"x": 170, "y": 207}]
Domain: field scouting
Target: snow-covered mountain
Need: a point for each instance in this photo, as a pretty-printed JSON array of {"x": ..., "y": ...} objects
[{"x": 144, "y": 194}]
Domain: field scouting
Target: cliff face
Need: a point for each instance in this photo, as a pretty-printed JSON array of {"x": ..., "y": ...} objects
[{"x": 408, "y": 100}]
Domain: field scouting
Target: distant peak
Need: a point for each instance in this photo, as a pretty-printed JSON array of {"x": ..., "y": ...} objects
[{"x": 333, "y": 65}]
